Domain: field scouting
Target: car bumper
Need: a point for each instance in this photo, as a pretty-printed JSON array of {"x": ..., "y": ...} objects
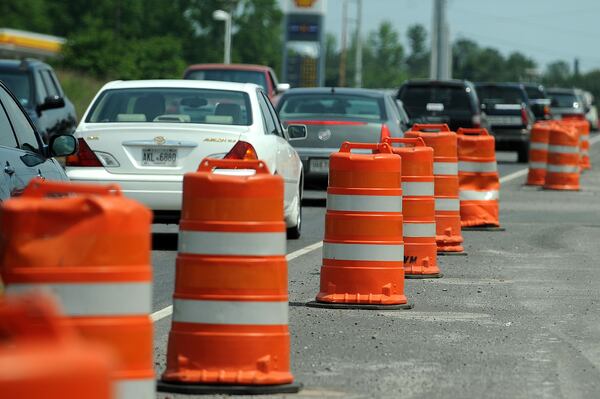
[
  {"x": 157, "y": 192},
  {"x": 308, "y": 154},
  {"x": 509, "y": 138}
]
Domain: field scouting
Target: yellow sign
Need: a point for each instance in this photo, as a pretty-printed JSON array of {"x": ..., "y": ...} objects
[{"x": 305, "y": 3}]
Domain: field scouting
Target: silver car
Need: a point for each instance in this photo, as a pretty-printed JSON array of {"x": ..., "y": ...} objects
[{"x": 335, "y": 115}]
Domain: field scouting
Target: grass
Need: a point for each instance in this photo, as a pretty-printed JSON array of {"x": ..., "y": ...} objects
[{"x": 79, "y": 88}]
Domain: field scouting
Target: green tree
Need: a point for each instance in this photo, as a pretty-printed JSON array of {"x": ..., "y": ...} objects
[
  {"x": 25, "y": 14},
  {"x": 558, "y": 73},
  {"x": 332, "y": 59},
  {"x": 418, "y": 60},
  {"x": 383, "y": 58}
]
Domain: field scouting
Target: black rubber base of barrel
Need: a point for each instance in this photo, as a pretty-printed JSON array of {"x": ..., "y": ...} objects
[
  {"x": 422, "y": 276},
  {"x": 463, "y": 253},
  {"x": 366, "y": 306},
  {"x": 206, "y": 389},
  {"x": 483, "y": 228}
]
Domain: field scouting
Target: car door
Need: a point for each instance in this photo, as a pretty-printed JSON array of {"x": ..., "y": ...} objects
[
  {"x": 9, "y": 155},
  {"x": 29, "y": 160}
]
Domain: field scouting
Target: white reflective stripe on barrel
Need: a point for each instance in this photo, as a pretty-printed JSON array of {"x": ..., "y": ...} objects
[
  {"x": 563, "y": 168},
  {"x": 537, "y": 165},
  {"x": 563, "y": 149},
  {"x": 418, "y": 230},
  {"x": 95, "y": 299},
  {"x": 472, "y": 195},
  {"x": 585, "y": 152},
  {"x": 225, "y": 243},
  {"x": 364, "y": 203},
  {"x": 447, "y": 204},
  {"x": 584, "y": 138},
  {"x": 414, "y": 189},
  {"x": 373, "y": 252},
  {"x": 135, "y": 389},
  {"x": 464, "y": 166},
  {"x": 445, "y": 168},
  {"x": 230, "y": 312},
  {"x": 538, "y": 146}
]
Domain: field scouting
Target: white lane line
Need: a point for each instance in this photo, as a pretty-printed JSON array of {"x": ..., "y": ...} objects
[
  {"x": 523, "y": 172},
  {"x": 168, "y": 311}
]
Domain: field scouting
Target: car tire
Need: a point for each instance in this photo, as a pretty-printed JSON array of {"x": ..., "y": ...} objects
[
  {"x": 523, "y": 154},
  {"x": 294, "y": 232}
]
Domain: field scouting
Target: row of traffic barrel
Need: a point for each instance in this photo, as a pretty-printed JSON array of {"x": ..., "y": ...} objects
[
  {"x": 390, "y": 213},
  {"x": 559, "y": 153}
]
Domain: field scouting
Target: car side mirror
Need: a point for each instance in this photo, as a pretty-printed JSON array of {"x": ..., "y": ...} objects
[
  {"x": 281, "y": 87},
  {"x": 297, "y": 132},
  {"x": 63, "y": 145},
  {"x": 51, "y": 102}
]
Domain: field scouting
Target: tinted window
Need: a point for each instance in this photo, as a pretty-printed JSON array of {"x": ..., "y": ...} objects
[
  {"x": 51, "y": 89},
  {"x": 27, "y": 139},
  {"x": 420, "y": 100},
  {"x": 267, "y": 117},
  {"x": 230, "y": 75},
  {"x": 7, "y": 137},
  {"x": 500, "y": 95},
  {"x": 535, "y": 93},
  {"x": 326, "y": 105},
  {"x": 564, "y": 100},
  {"x": 174, "y": 105},
  {"x": 19, "y": 84}
]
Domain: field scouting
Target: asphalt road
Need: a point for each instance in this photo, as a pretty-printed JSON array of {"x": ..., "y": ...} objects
[{"x": 516, "y": 318}]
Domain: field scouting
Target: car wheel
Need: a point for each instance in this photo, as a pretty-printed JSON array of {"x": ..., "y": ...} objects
[
  {"x": 523, "y": 154},
  {"x": 293, "y": 233}
]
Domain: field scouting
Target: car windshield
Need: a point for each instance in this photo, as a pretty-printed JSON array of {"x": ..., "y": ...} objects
[
  {"x": 564, "y": 100},
  {"x": 420, "y": 100},
  {"x": 173, "y": 105},
  {"x": 500, "y": 95},
  {"x": 230, "y": 75},
  {"x": 327, "y": 105},
  {"x": 19, "y": 85}
]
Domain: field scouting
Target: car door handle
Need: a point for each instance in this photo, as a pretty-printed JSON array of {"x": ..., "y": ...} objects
[{"x": 9, "y": 170}]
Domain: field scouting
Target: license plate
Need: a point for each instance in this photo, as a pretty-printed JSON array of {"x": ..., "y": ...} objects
[
  {"x": 319, "y": 165},
  {"x": 504, "y": 120},
  {"x": 159, "y": 157}
]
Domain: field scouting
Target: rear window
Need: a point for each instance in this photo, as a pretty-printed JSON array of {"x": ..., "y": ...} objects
[
  {"x": 230, "y": 75},
  {"x": 320, "y": 106},
  {"x": 564, "y": 100},
  {"x": 535, "y": 93},
  {"x": 420, "y": 100},
  {"x": 500, "y": 95},
  {"x": 213, "y": 107},
  {"x": 19, "y": 84}
]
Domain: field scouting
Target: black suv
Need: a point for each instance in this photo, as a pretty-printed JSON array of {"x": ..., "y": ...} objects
[
  {"x": 509, "y": 114},
  {"x": 453, "y": 102},
  {"x": 539, "y": 101},
  {"x": 35, "y": 85}
]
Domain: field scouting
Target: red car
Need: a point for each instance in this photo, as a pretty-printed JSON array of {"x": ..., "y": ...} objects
[{"x": 242, "y": 73}]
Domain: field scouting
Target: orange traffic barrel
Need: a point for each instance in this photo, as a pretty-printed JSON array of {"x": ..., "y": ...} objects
[
  {"x": 583, "y": 127},
  {"x": 563, "y": 158},
  {"x": 229, "y": 332},
  {"x": 418, "y": 207},
  {"x": 363, "y": 249},
  {"x": 479, "y": 184},
  {"x": 90, "y": 246},
  {"x": 41, "y": 357},
  {"x": 538, "y": 153},
  {"x": 445, "y": 170}
]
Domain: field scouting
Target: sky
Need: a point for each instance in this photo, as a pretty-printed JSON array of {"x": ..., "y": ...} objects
[{"x": 545, "y": 30}]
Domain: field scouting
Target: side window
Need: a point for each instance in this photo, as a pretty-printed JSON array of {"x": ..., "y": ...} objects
[
  {"x": 56, "y": 84},
  {"x": 7, "y": 136},
  {"x": 267, "y": 117},
  {"x": 274, "y": 116},
  {"x": 273, "y": 82},
  {"x": 42, "y": 93},
  {"x": 26, "y": 137},
  {"x": 49, "y": 84}
]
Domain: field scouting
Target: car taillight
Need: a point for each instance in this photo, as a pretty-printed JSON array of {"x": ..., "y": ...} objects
[
  {"x": 241, "y": 150},
  {"x": 385, "y": 132},
  {"x": 547, "y": 112},
  {"x": 524, "y": 117},
  {"x": 84, "y": 157},
  {"x": 476, "y": 120}
]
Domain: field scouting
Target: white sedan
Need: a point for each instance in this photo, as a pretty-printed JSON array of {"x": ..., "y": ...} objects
[{"x": 144, "y": 135}]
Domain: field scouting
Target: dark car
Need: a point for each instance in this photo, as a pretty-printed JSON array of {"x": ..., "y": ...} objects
[
  {"x": 335, "y": 115},
  {"x": 453, "y": 102},
  {"x": 567, "y": 102},
  {"x": 36, "y": 86},
  {"x": 538, "y": 101},
  {"x": 261, "y": 75},
  {"x": 509, "y": 115},
  {"x": 23, "y": 155}
]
